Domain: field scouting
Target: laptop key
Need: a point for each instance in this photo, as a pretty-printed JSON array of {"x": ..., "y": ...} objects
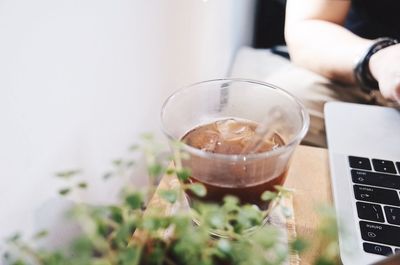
[
  {"x": 380, "y": 233},
  {"x": 384, "y": 166},
  {"x": 378, "y": 195},
  {"x": 375, "y": 179},
  {"x": 397, "y": 250},
  {"x": 377, "y": 249},
  {"x": 398, "y": 167},
  {"x": 360, "y": 162},
  {"x": 369, "y": 211},
  {"x": 392, "y": 215}
]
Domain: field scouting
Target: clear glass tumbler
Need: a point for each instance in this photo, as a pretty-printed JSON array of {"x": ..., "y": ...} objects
[{"x": 245, "y": 176}]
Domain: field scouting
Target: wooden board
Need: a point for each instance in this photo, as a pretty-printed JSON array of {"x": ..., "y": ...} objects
[{"x": 308, "y": 176}]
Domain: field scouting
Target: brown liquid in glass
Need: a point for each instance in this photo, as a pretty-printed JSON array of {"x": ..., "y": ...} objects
[{"x": 230, "y": 136}]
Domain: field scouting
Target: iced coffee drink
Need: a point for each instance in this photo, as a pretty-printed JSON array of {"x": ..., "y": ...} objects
[
  {"x": 232, "y": 137},
  {"x": 217, "y": 121}
]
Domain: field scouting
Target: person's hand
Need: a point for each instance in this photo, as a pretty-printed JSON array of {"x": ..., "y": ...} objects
[{"x": 385, "y": 67}]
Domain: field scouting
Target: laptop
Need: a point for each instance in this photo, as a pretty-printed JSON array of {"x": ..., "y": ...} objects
[{"x": 364, "y": 153}]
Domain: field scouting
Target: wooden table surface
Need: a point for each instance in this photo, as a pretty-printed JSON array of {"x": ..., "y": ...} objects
[{"x": 308, "y": 176}]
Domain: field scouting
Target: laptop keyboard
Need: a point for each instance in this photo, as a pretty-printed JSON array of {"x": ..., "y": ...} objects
[{"x": 376, "y": 184}]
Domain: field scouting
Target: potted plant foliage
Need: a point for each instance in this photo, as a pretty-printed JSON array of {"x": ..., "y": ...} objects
[{"x": 127, "y": 233}]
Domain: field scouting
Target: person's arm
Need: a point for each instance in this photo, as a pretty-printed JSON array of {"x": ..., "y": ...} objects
[{"x": 318, "y": 41}]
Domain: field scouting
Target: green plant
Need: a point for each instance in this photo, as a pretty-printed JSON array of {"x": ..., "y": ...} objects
[{"x": 106, "y": 237}]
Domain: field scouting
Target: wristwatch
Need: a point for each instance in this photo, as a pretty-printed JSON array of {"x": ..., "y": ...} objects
[{"x": 362, "y": 72}]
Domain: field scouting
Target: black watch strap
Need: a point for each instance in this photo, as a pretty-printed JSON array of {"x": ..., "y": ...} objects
[{"x": 362, "y": 72}]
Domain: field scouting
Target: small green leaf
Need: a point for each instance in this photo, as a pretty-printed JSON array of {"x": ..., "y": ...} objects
[
  {"x": 128, "y": 256},
  {"x": 64, "y": 191},
  {"x": 169, "y": 195},
  {"x": 117, "y": 162},
  {"x": 268, "y": 195},
  {"x": 149, "y": 224},
  {"x": 170, "y": 171},
  {"x": 231, "y": 200},
  {"x": 134, "y": 200},
  {"x": 299, "y": 245},
  {"x": 183, "y": 174},
  {"x": 67, "y": 174},
  {"x": 155, "y": 170},
  {"x": 267, "y": 236},
  {"x": 153, "y": 223},
  {"x": 101, "y": 228},
  {"x": 198, "y": 189},
  {"x": 116, "y": 214},
  {"x": 40, "y": 234},
  {"x": 133, "y": 147},
  {"x": 82, "y": 185},
  {"x": 124, "y": 232},
  {"x": 231, "y": 204},
  {"x": 14, "y": 238},
  {"x": 81, "y": 246}
]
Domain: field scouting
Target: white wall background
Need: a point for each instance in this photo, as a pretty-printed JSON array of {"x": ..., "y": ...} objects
[{"x": 80, "y": 79}]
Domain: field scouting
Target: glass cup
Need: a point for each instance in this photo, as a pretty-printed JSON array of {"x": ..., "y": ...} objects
[{"x": 244, "y": 175}]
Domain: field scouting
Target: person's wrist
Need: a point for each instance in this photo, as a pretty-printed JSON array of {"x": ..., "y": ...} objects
[
  {"x": 373, "y": 65},
  {"x": 368, "y": 67},
  {"x": 376, "y": 63},
  {"x": 384, "y": 66}
]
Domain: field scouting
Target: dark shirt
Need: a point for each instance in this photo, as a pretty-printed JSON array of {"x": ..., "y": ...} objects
[{"x": 375, "y": 18}]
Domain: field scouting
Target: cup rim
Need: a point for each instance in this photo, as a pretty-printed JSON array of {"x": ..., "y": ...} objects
[{"x": 238, "y": 157}]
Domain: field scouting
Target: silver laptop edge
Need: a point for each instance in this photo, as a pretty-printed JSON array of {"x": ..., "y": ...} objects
[{"x": 357, "y": 130}]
